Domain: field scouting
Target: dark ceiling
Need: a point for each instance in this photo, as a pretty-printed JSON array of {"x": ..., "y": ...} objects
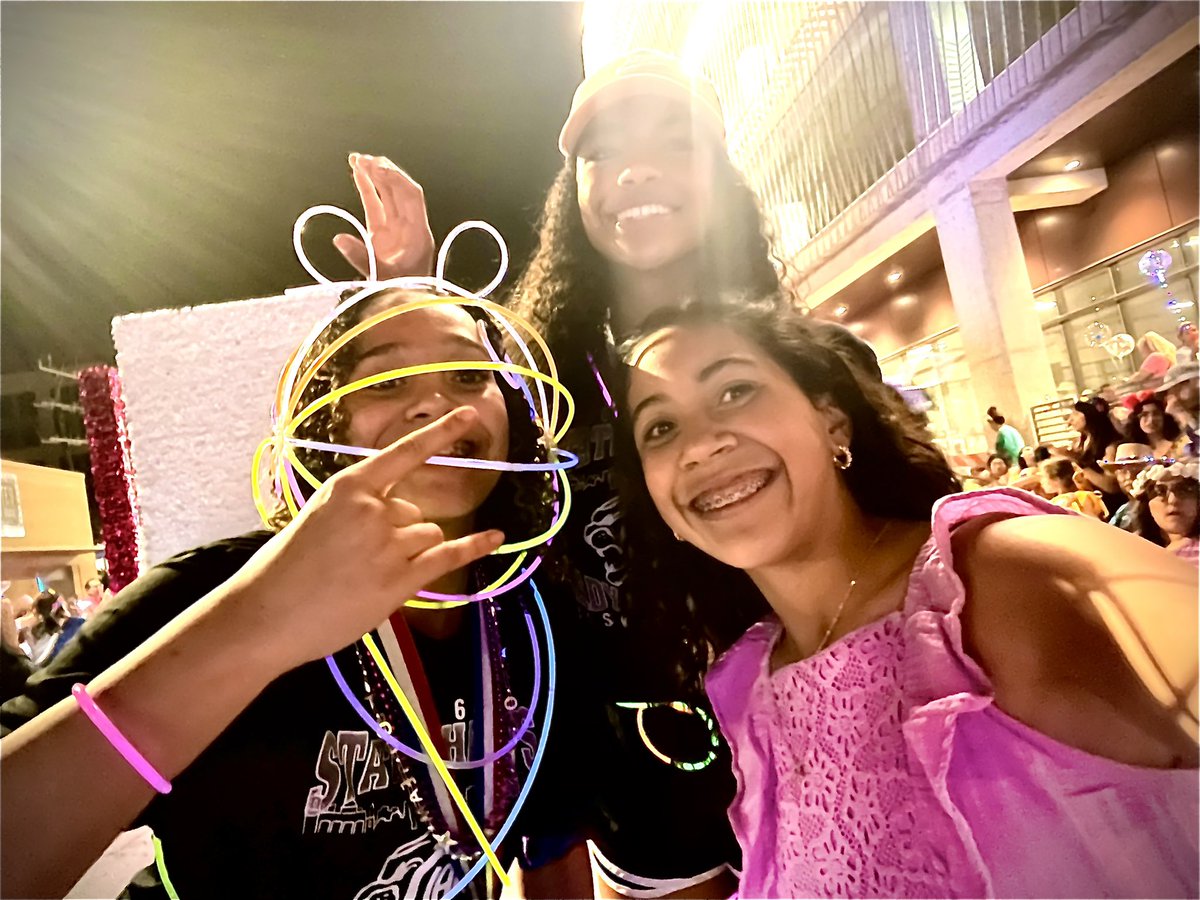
[
  {"x": 1153, "y": 110},
  {"x": 157, "y": 154}
]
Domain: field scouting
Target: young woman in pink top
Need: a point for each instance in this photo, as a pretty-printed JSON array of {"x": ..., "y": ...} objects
[{"x": 941, "y": 694}]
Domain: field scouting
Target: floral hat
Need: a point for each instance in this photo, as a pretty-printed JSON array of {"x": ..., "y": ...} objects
[{"x": 1184, "y": 468}]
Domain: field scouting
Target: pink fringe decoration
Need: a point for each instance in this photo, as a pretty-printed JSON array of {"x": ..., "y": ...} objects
[{"x": 112, "y": 472}]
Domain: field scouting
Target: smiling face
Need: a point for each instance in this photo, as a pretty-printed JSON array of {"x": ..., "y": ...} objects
[
  {"x": 1076, "y": 420},
  {"x": 380, "y": 415},
  {"x": 736, "y": 457},
  {"x": 998, "y": 468},
  {"x": 644, "y": 175},
  {"x": 1151, "y": 419}
]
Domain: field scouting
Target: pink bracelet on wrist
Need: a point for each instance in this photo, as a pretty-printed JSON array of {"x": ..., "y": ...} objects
[{"x": 105, "y": 726}]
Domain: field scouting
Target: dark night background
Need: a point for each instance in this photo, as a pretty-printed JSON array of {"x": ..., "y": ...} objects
[{"x": 157, "y": 154}]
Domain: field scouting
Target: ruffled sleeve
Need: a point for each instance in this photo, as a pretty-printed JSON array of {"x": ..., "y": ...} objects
[
  {"x": 940, "y": 681},
  {"x": 731, "y": 686}
]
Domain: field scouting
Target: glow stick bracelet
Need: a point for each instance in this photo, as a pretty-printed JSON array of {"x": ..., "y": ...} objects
[
  {"x": 438, "y": 764},
  {"x": 568, "y": 459},
  {"x": 461, "y": 299},
  {"x": 292, "y": 465},
  {"x": 309, "y": 213},
  {"x": 677, "y": 706},
  {"x": 444, "y": 252},
  {"x": 491, "y": 589},
  {"x": 466, "y": 300},
  {"x": 548, "y": 415},
  {"x": 449, "y": 602},
  {"x": 537, "y": 756},
  {"x": 486, "y": 595},
  {"x": 161, "y": 865},
  {"x": 256, "y": 484},
  {"x": 559, "y": 521},
  {"x": 120, "y": 743},
  {"x": 462, "y": 365},
  {"x": 608, "y": 400}
]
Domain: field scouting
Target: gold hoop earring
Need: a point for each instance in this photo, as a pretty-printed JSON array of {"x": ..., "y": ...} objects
[{"x": 842, "y": 457}]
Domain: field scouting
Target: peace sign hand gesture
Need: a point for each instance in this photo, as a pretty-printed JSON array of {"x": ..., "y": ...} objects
[
  {"x": 396, "y": 220},
  {"x": 353, "y": 555}
]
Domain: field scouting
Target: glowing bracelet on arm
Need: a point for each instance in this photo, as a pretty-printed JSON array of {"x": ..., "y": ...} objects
[{"x": 105, "y": 726}]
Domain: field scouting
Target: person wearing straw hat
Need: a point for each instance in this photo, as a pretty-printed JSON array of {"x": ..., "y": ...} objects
[{"x": 1127, "y": 463}]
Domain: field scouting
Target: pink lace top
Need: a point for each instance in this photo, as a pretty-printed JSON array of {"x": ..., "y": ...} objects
[{"x": 881, "y": 768}]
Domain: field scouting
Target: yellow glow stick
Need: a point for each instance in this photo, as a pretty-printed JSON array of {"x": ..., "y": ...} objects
[
  {"x": 459, "y": 365},
  {"x": 417, "y": 603},
  {"x": 436, "y": 760}
]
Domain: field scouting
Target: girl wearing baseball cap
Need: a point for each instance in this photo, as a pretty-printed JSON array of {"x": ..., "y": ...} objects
[{"x": 647, "y": 211}]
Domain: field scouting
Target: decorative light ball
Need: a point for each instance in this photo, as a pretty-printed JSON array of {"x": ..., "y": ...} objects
[
  {"x": 1096, "y": 334},
  {"x": 1154, "y": 264},
  {"x": 1120, "y": 345}
]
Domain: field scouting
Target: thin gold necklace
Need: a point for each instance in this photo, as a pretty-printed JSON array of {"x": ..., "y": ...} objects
[{"x": 850, "y": 590}]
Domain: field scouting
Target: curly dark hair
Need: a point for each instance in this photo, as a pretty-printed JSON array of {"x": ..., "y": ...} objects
[
  {"x": 520, "y": 505},
  {"x": 567, "y": 290},
  {"x": 897, "y": 473},
  {"x": 1170, "y": 429}
]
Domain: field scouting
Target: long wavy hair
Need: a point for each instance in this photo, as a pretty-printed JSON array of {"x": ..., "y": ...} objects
[
  {"x": 1170, "y": 428},
  {"x": 1098, "y": 433},
  {"x": 567, "y": 290},
  {"x": 521, "y": 504},
  {"x": 897, "y": 473}
]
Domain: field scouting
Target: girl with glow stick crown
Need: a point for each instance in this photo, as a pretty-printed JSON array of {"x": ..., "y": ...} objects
[
  {"x": 947, "y": 694},
  {"x": 397, "y": 765},
  {"x": 646, "y": 211}
]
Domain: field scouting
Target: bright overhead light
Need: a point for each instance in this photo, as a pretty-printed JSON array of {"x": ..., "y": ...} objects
[
  {"x": 1046, "y": 306},
  {"x": 856, "y": 327},
  {"x": 905, "y": 300},
  {"x": 841, "y": 310},
  {"x": 1072, "y": 165},
  {"x": 894, "y": 276}
]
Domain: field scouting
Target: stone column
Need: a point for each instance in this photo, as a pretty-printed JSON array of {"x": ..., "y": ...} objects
[{"x": 993, "y": 299}]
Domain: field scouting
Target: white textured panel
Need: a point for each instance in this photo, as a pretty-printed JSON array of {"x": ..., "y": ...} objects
[{"x": 198, "y": 387}]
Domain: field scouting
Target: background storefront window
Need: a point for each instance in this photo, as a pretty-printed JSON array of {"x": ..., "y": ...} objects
[
  {"x": 1118, "y": 295},
  {"x": 1094, "y": 366},
  {"x": 938, "y": 368},
  {"x": 1084, "y": 292},
  {"x": 1147, "y": 309}
]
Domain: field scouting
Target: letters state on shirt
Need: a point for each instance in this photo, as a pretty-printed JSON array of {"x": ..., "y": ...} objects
[{"x": 354, "y": 771}]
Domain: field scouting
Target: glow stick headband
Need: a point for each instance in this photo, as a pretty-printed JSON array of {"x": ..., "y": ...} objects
[{"x": 276, "y": 460}]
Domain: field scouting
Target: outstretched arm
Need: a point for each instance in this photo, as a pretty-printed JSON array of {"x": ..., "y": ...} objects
[
  {"x": 1088, "y": 633},
  {"x": 330, "y": 576}
]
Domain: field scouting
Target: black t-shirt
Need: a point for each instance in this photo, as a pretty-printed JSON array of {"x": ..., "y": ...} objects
[
  {"x": 655, "y": 820},
  {"x": 297, "y": 797}
]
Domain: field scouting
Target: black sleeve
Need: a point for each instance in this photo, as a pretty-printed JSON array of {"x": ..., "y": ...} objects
[{"x": 128, "y": 620}]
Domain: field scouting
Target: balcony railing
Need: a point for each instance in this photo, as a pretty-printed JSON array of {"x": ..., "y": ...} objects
[{"x": 822, "y": 100}]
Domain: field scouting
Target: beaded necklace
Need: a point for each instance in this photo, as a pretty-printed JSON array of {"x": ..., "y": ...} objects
[{"x": 501, "y": 784}]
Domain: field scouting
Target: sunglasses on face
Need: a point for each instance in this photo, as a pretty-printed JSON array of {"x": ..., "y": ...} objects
[{"x": 1183, "y": 490}]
